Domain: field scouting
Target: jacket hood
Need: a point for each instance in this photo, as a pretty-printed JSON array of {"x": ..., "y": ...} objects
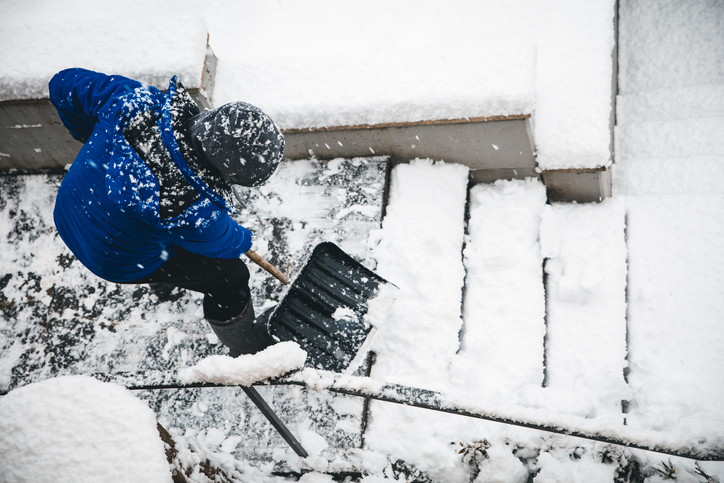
[{"x": 156, "y": 175}]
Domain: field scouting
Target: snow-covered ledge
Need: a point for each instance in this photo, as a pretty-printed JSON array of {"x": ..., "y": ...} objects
[
  {"x": 31, "y": 135},
  {"x": 470, "y": 106},
  {"x": 398, "y": 88}
]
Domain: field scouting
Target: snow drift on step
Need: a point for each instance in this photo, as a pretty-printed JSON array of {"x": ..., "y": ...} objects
[
  {"x": 586, "y": 312},
  {"x": 77, "y": 429},
  {"x": 669, "y": 44},
  {"x": 419, "y": 250},
  {"x": 502, "y": 343},
  {"x": 671, "y": 104},
  {"x": 687, "y": 137}
]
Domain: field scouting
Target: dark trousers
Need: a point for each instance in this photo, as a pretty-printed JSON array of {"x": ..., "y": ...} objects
[{"x": 224, "y": 282}]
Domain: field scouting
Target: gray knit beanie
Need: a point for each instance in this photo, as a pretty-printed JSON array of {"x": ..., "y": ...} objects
[{"x": 239, "y": 140}]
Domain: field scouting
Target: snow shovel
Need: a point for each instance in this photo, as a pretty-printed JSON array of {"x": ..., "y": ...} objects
[
  {"x": 327, "y": 309},
  {"x": 326, "y": 312}
]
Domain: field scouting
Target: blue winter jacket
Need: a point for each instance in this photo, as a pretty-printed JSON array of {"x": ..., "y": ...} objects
[{"x": 136, "y": 192}]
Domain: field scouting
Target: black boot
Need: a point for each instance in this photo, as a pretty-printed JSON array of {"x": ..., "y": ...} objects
[
  {"x": 243, "y": 334},
  {"x": 162, "y": 290}
]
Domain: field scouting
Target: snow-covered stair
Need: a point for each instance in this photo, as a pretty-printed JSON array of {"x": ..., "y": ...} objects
[
  {"x": 419, "y": 250},
  {"x": 428, "y": 202},
  {"x": 669, "y": 140},
  {"x": 586, "y": 306},
  {"x": 504, "y": 304},
  {"x": 561, "y": 350},
  {"x": 669, "y": 167}
]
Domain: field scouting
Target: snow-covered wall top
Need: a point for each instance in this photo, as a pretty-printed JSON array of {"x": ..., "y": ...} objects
[
  {"x": 137, "y": 47},
  {"x": 320, "y": 63},
  {"x": 575, "y": 42},
  {"x": 395, "y": 85},
  {"x": 317, "y": 63}
]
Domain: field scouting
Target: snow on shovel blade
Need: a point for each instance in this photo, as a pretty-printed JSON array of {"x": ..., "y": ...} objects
[{"x": 332, "y": 309}]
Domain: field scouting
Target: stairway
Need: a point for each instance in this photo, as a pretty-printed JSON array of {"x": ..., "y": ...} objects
[{"x": 543, "y": 334}]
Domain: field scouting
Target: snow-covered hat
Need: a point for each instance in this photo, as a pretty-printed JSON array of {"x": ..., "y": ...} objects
[{"x": 239, "y": 140}]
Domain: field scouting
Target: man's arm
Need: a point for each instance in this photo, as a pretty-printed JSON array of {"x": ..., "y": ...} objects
[
  {"x": 222, "y": 238},
  {"x": 79, "y": 95}
]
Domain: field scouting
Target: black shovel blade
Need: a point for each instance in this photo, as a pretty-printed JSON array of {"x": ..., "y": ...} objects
[{"x": 324, "y": 309}]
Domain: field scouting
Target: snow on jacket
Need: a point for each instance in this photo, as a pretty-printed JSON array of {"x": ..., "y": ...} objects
[{"x": 136, "y": 191}]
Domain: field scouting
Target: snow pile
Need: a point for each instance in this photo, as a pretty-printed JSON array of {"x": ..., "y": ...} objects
[
  {"x": 501, "y": 466},
  {"x": 142, "y": 50},
  {"x": 566, "y": 470},
  {"x": 245, "y": 370},
  {"x": 504, "y": 328},
  {"x": 586, "y": 290},
  {"x": 77, "y": 429}
]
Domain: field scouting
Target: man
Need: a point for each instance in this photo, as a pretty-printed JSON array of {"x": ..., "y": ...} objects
[{"x": 147, "y": 199}]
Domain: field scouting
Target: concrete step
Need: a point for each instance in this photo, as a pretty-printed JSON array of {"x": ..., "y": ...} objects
[{"x": 492, "y": 147}]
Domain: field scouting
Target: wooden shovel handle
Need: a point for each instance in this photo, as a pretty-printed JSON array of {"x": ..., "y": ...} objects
[{"x": 268, "y": 267}]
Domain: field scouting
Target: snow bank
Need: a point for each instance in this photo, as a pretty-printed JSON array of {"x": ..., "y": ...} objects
[
  {"x": 77, "y": 429},
  {"x": 245, "y": 370},
  {"x": 141, "y": 47},
  {"x": 504, "y": 308}
]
